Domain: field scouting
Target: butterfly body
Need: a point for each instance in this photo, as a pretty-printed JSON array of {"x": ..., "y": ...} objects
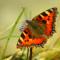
[{"x": 38, "y": 30}]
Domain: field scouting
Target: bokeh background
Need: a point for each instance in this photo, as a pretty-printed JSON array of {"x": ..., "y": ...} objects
[{"x": 10, "y": 10}]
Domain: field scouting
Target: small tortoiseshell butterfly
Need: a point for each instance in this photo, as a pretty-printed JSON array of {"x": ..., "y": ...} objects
[{"x": 39, "y": 29}]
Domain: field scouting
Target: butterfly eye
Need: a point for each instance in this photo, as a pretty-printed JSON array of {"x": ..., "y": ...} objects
[{"x": 43, "y": 21}]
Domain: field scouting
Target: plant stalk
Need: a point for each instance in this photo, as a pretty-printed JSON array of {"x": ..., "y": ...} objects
[{"x": 30, "y": 56}]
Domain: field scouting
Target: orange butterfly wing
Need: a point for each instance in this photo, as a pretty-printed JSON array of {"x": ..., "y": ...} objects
[{"x": 28, "y": 38}]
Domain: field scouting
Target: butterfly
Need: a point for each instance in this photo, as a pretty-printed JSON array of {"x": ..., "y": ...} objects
[{"x": 39, "y": 29}]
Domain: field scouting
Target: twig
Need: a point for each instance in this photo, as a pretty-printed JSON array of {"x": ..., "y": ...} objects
[{"x": 30, "y": 56}]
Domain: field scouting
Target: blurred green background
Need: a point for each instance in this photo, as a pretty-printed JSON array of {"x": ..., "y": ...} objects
[{"x": 10, "y": 10}]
